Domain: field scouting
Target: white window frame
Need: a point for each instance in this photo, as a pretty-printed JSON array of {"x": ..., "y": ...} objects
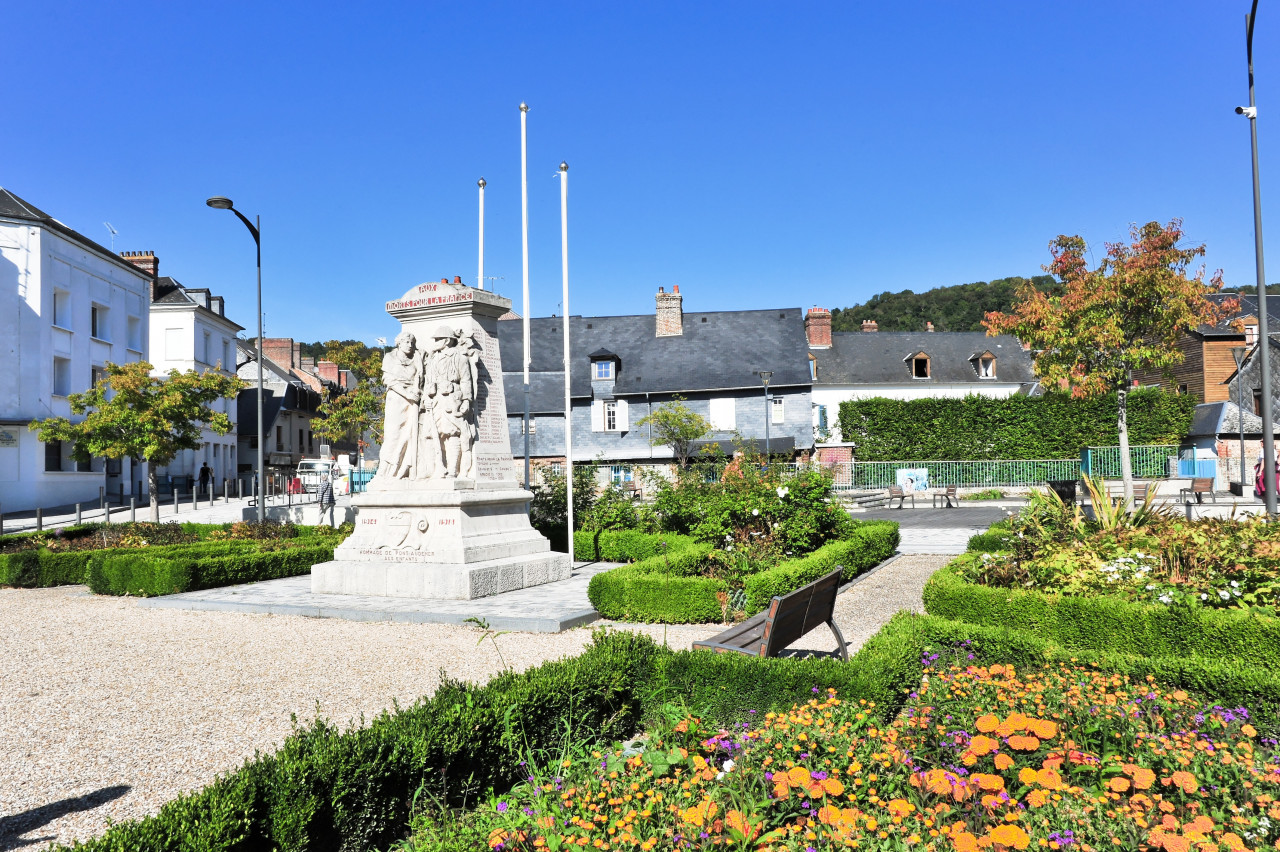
[
  {"x": 777, "y": 414},
  {"x": 620, "y": 473},
  {"x": 99, "y": 324},
  {"x": 722, "y": 414},
  {"x": 62, "y": 309},
  {"x": 602, "y": 371},
  {"x": 61, "y": 376},
  {"x": 611, "y": 416},
  {"x": 987, "y": 367},
  {"x": 533, "y": 425}
]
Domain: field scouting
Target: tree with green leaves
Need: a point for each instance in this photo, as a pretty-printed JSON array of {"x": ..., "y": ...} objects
[
  {"x": 1124, "y": 315},
  {"x": 676, "y": 425},
  {"x": 130, "y": 413},
  {"x": 356, "y": 414}
]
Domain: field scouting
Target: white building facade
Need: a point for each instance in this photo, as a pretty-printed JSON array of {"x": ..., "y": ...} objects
[
  {"x": 189, "y": 330},
  {"x": 68, "y": 307}
]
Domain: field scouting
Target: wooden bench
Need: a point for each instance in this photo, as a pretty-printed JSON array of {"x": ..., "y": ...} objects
[
  {"x": 631, "y": 489},
  {"x": 949, "y": 498},
  {"x": 1200, "y": 486},
  {"x": 788, "y": 618},
  {"x": 1140, "y": 490},
  {"x": 896, "y": 493}
]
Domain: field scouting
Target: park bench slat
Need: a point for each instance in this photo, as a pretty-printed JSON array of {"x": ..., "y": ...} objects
[{"x": 788, "y": 618}]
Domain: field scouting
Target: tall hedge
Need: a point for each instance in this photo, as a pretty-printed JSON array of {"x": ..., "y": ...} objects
[{"x": 1054, "y": 426}]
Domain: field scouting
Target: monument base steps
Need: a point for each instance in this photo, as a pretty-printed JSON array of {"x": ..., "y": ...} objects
[{"x": 466, "y": 581}]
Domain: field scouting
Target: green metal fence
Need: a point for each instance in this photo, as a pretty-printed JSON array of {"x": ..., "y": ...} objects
[{"x": 1149, "y": 462}]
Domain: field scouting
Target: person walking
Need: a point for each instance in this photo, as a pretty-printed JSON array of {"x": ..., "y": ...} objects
[
  {"x": 206, "y": 477},
  {"x": 326, "y": 500}
]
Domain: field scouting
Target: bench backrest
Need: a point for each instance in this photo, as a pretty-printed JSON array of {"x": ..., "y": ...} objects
[
  {"x": 951, "y": 490},
  {"x": 793, "y": 615},
  {"x": 895, "y": 490},
  {"x": 1202, "y": 484}
]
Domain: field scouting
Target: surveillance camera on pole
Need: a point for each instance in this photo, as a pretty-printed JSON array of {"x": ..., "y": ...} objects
[{"x": 1247, "y": 112}]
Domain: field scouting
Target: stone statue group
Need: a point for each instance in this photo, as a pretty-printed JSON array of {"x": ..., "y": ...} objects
[{"x": 430, "y": 427}]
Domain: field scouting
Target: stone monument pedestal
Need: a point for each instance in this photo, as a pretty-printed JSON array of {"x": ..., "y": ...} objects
[
  {"x": 444, "y": 516},
  {"x": 459, "y": 542}
]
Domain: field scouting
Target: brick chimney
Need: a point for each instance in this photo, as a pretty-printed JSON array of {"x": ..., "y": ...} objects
[
  {"x": 817, "y": 328},
  {"x": 870, "y": 325},
  {"x": 670, "y": 315},
  {"x": 928, "y": 326},
  {"x": 148, "y": 263},
  {"x": 457, "y": 279},
  {"x": 281, "y": 350},
  {"x": 328, "y": 372}
]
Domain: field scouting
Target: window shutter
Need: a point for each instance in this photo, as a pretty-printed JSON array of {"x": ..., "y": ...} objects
[
  {"x": 597, "y": 415},
  {"x": 624, "y": 424}
]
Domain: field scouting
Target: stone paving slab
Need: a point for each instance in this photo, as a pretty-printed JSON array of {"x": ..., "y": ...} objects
[{"x": 549, "y": 608}]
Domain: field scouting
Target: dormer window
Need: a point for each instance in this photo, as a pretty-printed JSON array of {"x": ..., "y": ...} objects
[
  {"x": 602, "y": 370},
  {"x": 919, "y": 364},
  {"x": 1250, "y": 334},
  {"x": 984, "y": 364},
  {"x": 813, "y": 369},
  {"x": 604, "y": 366}
]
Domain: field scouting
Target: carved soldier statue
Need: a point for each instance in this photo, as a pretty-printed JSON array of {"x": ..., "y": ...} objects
[
  {"x": 450, "y": 384},
  {"x": 402, "y": 375}
]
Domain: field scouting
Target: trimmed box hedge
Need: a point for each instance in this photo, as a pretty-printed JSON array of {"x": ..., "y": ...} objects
[
  {"x": 40, "y": 568},
  {"x": 1110, "y": 624},
  {"x": 327, "y": 789},
  {"x": 626, "y": 545},
  {"x": 152, "y": 571},
  {"x": 664, "y": 589}
]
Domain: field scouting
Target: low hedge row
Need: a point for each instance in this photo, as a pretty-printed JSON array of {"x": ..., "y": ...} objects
[
  {"x": 626, "y": 545},
  {"x": 871, "y": 543},
  {"x": 327, "y": 789},
  {"x": 663, "y": 590},
  {"x": 1109, "y": 624},
  {"x": 40, "y": 568},
  {"x": 148, "y": 572}
]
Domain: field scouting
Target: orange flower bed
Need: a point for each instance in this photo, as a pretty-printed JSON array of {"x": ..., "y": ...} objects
[{"x": 981, "y": 758}]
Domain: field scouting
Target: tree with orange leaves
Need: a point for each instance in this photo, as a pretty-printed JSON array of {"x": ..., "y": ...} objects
[{"x": 1127, "y": 314}]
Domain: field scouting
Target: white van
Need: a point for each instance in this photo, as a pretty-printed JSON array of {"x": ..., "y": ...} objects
[{"x": 310, "y": 471}]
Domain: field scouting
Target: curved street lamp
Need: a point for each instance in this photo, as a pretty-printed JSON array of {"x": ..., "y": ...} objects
[
  {"x": 765, "y": 375},
  {"x": 219, "y": 202}
]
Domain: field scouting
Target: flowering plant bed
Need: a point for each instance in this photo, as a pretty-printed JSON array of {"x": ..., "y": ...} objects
[
  {"x": 1141, "y": 554},
  {"x": 980, "y": 757}
]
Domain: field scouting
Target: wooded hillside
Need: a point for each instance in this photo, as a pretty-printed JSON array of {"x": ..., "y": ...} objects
[{"x": 957, "y": 308}]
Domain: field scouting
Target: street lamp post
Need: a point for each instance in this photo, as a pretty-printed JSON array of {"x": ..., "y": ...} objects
[
  {"x": 1268, "y": 439},
  {"x": 765, "y": 375},
  {"x": 220, "y": 203},
  {"x": 1237, "y": 352}
]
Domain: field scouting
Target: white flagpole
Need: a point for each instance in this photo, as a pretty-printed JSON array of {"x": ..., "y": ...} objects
[
  {"x": 524, "y": 231},
  {"x": 568, "y": 405},
  {"x": 480, "y": 273}
]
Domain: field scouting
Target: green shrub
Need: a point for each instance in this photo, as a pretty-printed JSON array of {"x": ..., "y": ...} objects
[
  {"x": 865, "y": 547},
  {"x": 988, "y": 542},
  {"x": 1053, "y": 426},
  {"x": 670, "y": 589},
  {"x": 625, "y": 545},
  {"x": 1110, "y": 624},
  {"x": 42, "y": 568},
  {"x": 149, "y": 572}
]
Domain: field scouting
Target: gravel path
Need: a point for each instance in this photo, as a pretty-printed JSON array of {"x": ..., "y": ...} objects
[{"x": 109, "y": 710}]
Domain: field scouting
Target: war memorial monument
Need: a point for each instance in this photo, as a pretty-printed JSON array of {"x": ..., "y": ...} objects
[{"x": 444, "y": 516}]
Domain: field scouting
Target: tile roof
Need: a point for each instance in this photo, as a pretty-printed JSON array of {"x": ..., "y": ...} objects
[{"x": 877, "y": 358}]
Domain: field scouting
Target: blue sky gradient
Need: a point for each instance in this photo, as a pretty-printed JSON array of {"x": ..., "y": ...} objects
[{"x": 757, "y": 154}]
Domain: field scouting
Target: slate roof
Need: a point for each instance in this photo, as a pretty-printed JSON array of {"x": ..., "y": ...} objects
[
  {"x": 13, "y": 207},
  {"x": 1248, "y": 308},
  {"x": 877, "y": 358},
  {"x": 719, "y": 350},
  {"x": 1222, "y": 419},
  {"x": 546, "y": 393}
]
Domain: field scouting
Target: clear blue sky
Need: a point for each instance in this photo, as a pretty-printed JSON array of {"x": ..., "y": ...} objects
[{"x": 758, "y": 154}]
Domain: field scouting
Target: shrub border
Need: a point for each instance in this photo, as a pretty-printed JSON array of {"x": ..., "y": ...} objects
[
  {"x": 656, "y": 590},
  {"x": 1109, "y": 624}
]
